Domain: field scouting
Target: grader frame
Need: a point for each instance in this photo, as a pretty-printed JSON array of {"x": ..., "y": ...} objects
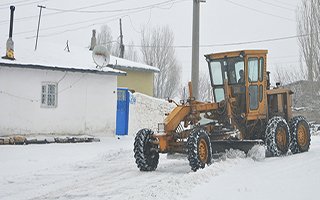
[{"x": 245, "y": 111}]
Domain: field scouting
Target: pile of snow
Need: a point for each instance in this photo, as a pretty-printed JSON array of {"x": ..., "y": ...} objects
[
  {"x": 257, "y": 153},
  {"x": 235, "y": 153},
  {"x": 315, "y": 129},
  {"x": 147, "y": 112}
]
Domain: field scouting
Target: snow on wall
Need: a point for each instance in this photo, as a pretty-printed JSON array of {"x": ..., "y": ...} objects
[
  {"x": 147, "y": 112},
  {"x": 86, "y": 102}
]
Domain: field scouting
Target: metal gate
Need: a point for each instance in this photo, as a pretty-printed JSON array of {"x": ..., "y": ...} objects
[{"x": 122, "y": 111}]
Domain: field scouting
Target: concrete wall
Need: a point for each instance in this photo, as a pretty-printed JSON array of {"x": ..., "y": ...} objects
[
  {"x": 138, "y": 81},
  {"x": 86, "y": 102}
]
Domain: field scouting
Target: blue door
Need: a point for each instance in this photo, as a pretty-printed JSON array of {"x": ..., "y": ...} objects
[{"x": 122, "y": 111}]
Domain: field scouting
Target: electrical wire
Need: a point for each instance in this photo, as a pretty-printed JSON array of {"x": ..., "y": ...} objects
[
  {"x": 64, "y": 25},
  {"x": 22, "y": 4},
  {"x": 15, "y": 2},
  {"x": 232, "y": 44},
  {"x": 116, "y": 10},
  {"x": 19, "y": 97},
  {"x": 60, "y": 12},
  {"x": 95, "y": 19},
  {"x": 259, "y": 11},
  {"x": 285, "y": 3},
  {"x": 275, "y": 5},
  {"x": 72, "y": 84},
  {"x": 114, "y": 17}
]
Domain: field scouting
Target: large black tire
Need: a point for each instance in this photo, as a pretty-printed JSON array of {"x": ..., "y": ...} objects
[
  {"x": 277, "y": 136},
  {"x": 300, "y": 134},
  {"x": 145, "y": 152},
  {"x": 199, "y": 149}
]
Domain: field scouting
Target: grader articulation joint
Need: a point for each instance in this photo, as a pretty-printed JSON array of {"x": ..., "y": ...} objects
[{"x": 245, "y": 111}]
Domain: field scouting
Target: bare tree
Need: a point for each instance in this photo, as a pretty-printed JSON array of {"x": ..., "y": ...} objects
[
  {"x": 105, "y": 38},
  {"x": 205, "y": 89},
  {"x": 285, "y": 76},
  {"x": 113, "y": 46},
  {"x": 308, "y": 18},
  {"x": 157, "y": 50},
  {"x": 130, "y": 53}
]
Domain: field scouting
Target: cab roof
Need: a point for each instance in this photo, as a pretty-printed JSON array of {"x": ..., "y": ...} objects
[{"x": 236, "y": 53}]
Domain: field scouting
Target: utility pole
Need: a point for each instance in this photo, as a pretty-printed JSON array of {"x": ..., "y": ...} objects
[
  {"x": 39, "y": 6},
  {"x": 121, "y": 41},
  {"x": 195, "y": 48}
]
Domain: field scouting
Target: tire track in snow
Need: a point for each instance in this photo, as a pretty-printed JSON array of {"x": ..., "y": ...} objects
[{"x": 116, "y": 177}]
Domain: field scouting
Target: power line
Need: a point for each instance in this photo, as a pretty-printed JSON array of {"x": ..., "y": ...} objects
[
  {"x": 275, "y": 5},
  {"x": 259, "y": 11},
  {"x": 60, "y": 12},
  {"x": 64, "y": 25},
  {"x": 15, "y": 2},
  {"x": 287, "y": 56},
  {"x": 19, "y": 97},
  {"x": 70, "y": 30},
  {"x": 117, "y": 10},
  {"x": 99, "y": 18},
  {"x": 232, "y": 44},
  {"x": 21, "y": 4},
  {"x": 113, "y": 17},
  {"x": 285, "y": 3}
]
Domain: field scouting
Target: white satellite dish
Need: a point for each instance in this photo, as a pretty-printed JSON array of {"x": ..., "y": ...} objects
[{"x": 101, "y": 56}]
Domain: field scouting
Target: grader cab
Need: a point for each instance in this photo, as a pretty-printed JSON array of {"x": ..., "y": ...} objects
[{"x": 245, "y": 111}]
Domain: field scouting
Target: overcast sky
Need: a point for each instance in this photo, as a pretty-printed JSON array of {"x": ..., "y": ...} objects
[{"x": 222, "y": 22}]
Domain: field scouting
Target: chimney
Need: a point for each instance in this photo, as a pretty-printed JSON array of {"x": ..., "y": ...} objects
[
  {"x": 93, "y": 40},
  {"x": 10, "y": 43}
]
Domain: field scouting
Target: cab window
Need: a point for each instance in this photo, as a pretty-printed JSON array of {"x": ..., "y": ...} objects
[
  {"x": 216, "y": 73},
  {"x": 261, "y": 69},
  {"x": 253, "y": 72},
  {"x": 239, "y": 66}
]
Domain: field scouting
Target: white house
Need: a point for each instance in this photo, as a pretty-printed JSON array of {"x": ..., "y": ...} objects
[{"x": 54, "y": 91}]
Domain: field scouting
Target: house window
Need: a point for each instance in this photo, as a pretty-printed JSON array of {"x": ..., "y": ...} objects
[{"x": 49, "y": 92}]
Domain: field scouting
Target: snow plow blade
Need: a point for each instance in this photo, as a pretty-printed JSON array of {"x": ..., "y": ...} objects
[{"x": 219, "y": 146}]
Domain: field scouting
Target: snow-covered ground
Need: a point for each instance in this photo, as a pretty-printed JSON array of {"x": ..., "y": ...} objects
[{"x": 107, "y": 170}]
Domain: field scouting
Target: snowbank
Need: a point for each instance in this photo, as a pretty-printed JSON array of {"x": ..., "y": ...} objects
[{"x": 147, "y": 112}]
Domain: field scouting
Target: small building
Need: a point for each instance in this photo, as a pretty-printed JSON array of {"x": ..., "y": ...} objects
[
  {"x": 139, "y": 77},
  {"x": 59, "y": 92}
]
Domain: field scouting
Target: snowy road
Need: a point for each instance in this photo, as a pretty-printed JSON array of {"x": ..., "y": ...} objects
[{"x": 107, "y": 170}]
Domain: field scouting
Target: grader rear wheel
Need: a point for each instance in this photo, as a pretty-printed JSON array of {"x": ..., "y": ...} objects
[
  {"x": 277, "y": 137},
  {"x": 300, "y": 134},
  {"x": 199, "y": 149}
]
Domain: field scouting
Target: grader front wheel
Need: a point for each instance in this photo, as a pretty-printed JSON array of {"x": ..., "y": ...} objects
[
  {"x": 199, "y": 149},
  {"x": 145, "y": 151}
]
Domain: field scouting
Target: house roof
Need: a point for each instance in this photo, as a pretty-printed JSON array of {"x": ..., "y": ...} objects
[
  {"x": 123, "y": 64},
  {"x": 52, "y": 56}
]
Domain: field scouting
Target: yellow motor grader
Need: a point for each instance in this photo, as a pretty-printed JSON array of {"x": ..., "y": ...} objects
[{"x": 245, "y": 111}]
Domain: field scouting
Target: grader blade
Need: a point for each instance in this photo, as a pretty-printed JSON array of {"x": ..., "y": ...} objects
[{"x": 219, "y": 146}]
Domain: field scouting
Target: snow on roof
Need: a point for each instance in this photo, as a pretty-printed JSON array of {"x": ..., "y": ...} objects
[
  {"x": 123, "y": 64},
  {"x": 53, "y": 56}
]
